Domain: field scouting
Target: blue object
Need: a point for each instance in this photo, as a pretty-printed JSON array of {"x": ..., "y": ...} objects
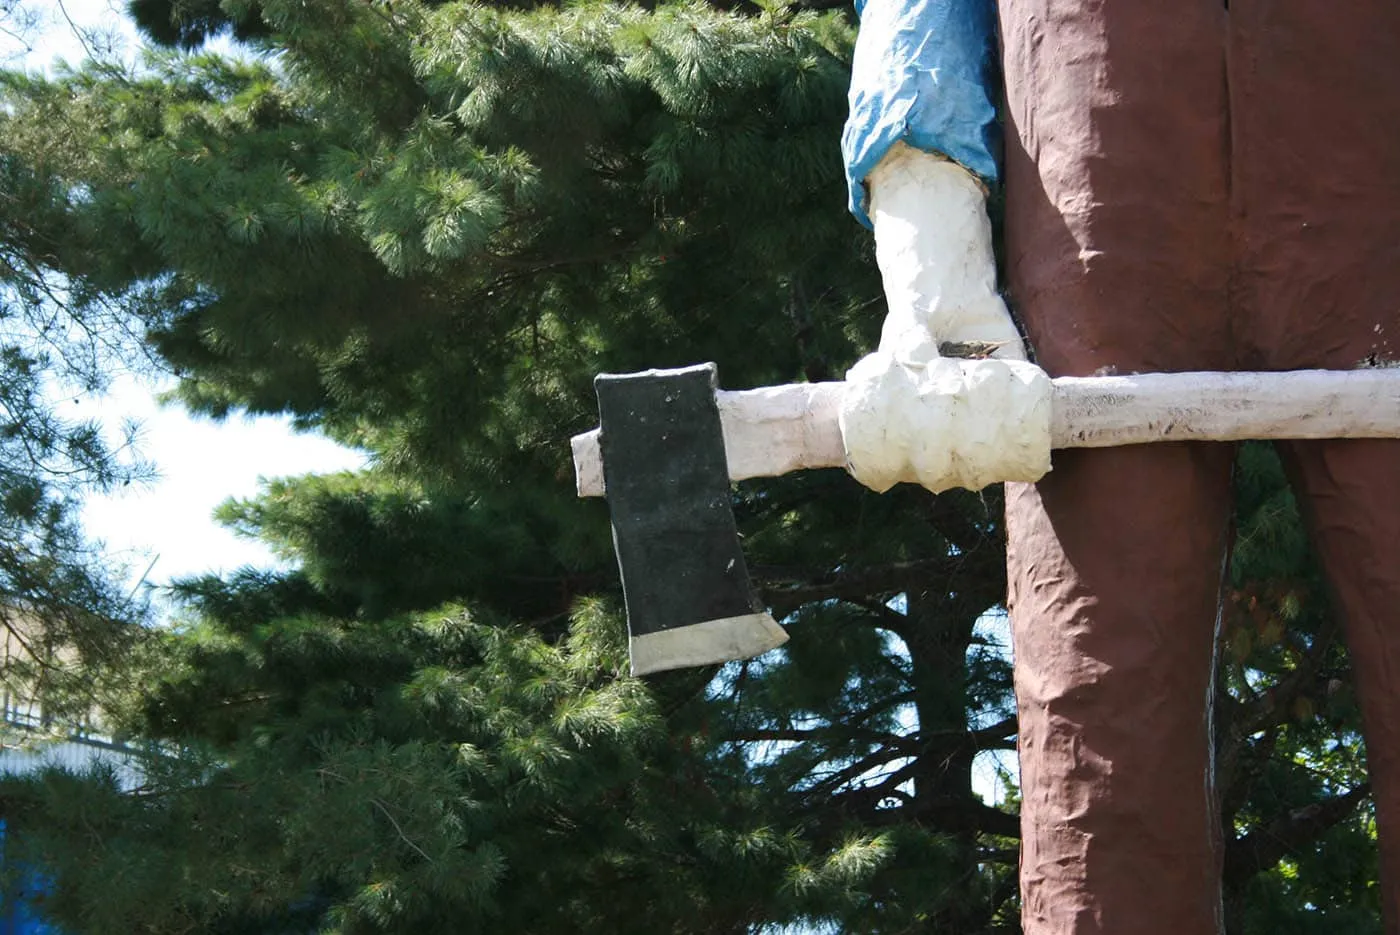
[
  {"x": 17, "y": 916},
  {"x": 923, "y": 72}
]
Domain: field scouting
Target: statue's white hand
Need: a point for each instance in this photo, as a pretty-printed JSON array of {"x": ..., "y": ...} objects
[
  {"x": 911, "y": 413},
  {"x": 946, "y": 423}
]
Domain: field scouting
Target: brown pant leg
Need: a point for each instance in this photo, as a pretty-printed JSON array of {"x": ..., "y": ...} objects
[
  {"x": 1315, "y": 125},
  {"x": 1315, "y": 89},
  {"x": 1351, "y": 493},
  {"x": 1118, "y": 259},
  {"x": 1115, "y": 564}
]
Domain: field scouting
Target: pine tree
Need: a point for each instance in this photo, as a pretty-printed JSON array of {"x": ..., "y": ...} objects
[
  {"x": 1289, "y": 745},
  {"x": 62, "y": 616}
]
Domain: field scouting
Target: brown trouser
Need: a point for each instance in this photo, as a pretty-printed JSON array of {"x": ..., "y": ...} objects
[{"x": 1188, "y": 188}]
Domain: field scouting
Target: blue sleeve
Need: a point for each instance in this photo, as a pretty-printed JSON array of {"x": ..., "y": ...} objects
[{"x": 922, "y": 73}]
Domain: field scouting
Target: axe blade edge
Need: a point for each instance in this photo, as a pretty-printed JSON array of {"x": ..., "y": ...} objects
[{"x": 708, "y": 643}]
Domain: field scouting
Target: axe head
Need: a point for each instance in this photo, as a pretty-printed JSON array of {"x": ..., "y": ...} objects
[{"x": 689, "y": 602}]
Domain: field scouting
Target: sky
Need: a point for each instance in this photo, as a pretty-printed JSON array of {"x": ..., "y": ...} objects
[
  {"x": 167, "y": 525},
  {"x": 164, "y": 529}
]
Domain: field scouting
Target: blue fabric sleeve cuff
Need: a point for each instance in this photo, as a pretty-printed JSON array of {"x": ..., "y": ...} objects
[{"x": 924, "y": 73}]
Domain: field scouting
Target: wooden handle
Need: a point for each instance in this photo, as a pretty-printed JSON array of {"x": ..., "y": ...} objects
[{"x": 777, "y": 429}]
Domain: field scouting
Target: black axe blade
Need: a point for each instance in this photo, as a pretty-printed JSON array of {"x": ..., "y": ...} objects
[{"x": 689, "y": 601}]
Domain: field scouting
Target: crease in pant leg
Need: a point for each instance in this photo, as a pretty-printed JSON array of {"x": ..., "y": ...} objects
[
  {"x": 1212, "y": 787},
  {"x": 1350, "y": 493},
  {"x": 1118, "y": 236},
  {"x": 1315, "y": 99},
  {"x": 1114, "y": 565},
  {"x": 1118, "y": 259}
]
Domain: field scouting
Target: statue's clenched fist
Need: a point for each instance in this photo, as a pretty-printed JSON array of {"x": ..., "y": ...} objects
[
  {"x": 947, "y": 423},
  {"x": 912, "y": 412}
]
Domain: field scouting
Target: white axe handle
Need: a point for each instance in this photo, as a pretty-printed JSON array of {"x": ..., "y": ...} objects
[{"x": 777, "y": 429}]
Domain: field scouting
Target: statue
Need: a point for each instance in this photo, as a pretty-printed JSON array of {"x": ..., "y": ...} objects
[{"x": 1193, "y": 185}]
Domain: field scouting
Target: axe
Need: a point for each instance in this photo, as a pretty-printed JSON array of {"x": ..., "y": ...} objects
[{"x": 669, "y": 444}]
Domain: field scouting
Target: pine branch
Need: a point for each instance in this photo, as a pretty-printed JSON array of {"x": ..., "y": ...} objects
[
  {"x": 534, "y": 265},
  {"x": 852, "y": 772},
  {"x": 971, "y": 815},
  {"x": 948, "y": 815},
  {"x": 1264, "y": 848},
  {"x": 1000, "y": 855},
  {"x": 954, "y": 525},
  {"x": 1263, "y": 712},
  {"x": 837, "y": 734},
  {"x": 384, "y": 810},
  {"x": 815, "y": 367},
  {"x": 1236, "y": 780},
  {"x": 1271, "y": 706},
  {"x": 991, "y": 737},
  {"x": 885, "y": 616},
  {"x": 852, "y": 585}
]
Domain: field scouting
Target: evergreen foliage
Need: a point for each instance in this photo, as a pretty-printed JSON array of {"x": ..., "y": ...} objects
[
  {"x": 61, "y": 613},
  {"x": 426, "y": 774},
  {"x": 422, "y": 228},
  {"x": 1289, "y": 747}
]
